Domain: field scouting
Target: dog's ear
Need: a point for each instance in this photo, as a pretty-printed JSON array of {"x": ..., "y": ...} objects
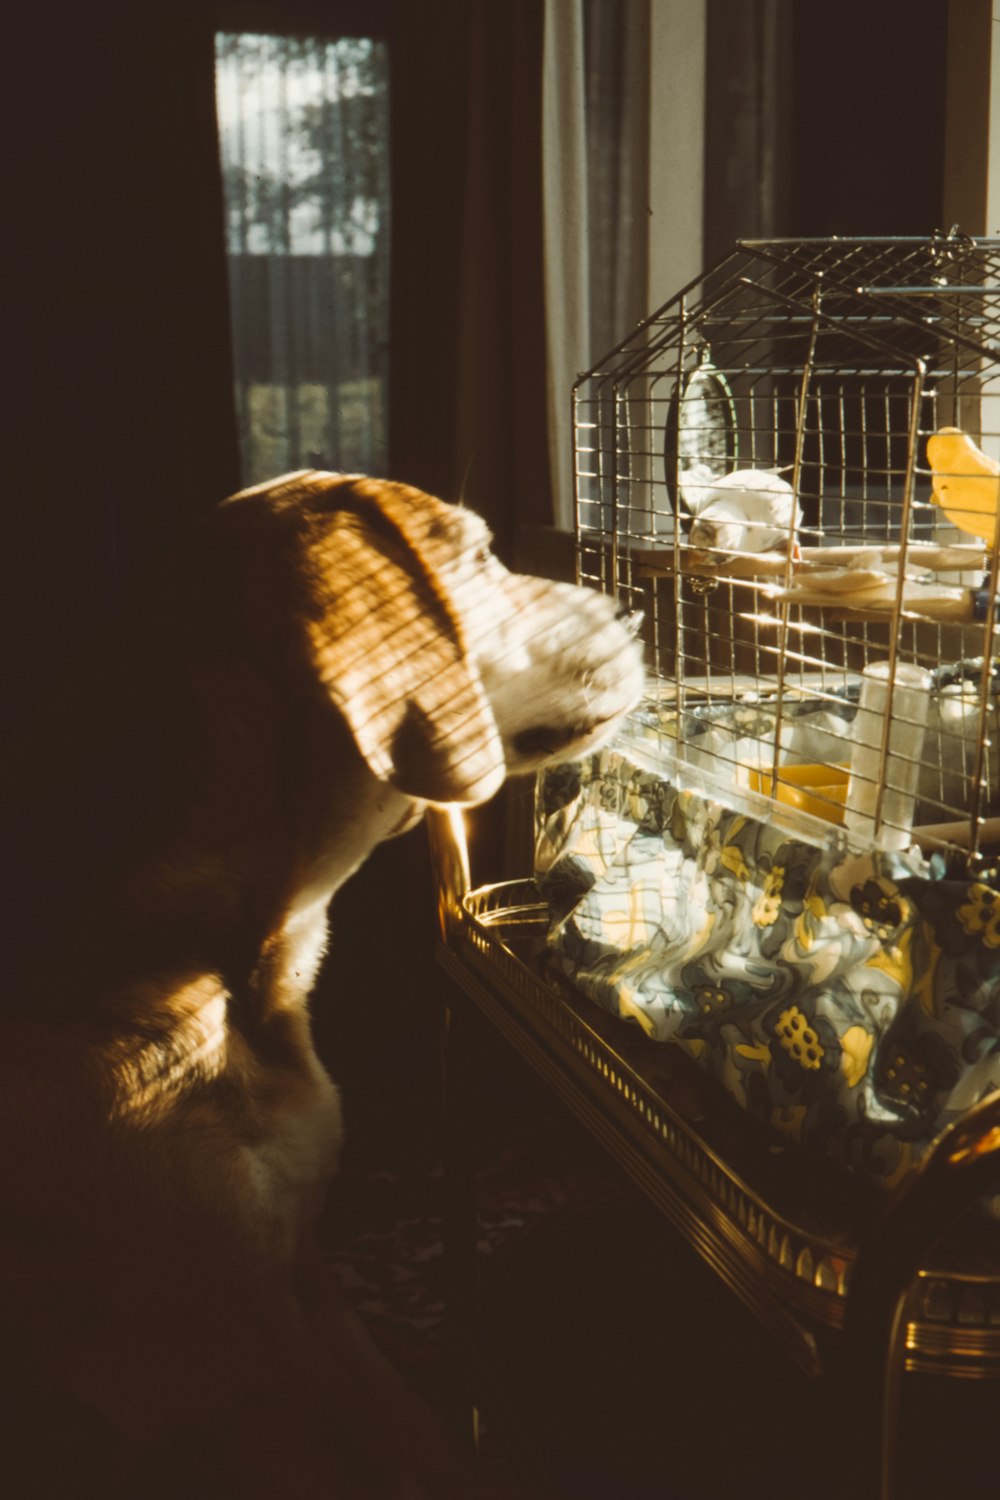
[{"x": 385, "y": 638}]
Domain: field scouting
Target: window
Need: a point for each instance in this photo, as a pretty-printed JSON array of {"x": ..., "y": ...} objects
[{"x": 304, "y": 141}]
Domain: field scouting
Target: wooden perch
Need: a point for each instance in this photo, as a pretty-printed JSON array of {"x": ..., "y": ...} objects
[
  {"x": 928, "y": 834},
  {"x": 920, "y": 601},
  {"x": 961, "y": 557},
  {"x": 653, "y": 562}
]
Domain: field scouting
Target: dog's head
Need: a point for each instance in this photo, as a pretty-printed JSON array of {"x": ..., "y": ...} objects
[{"x": 450, "y": 671}]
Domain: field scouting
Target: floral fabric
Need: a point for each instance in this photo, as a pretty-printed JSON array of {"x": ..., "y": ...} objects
[{"x": 852, "y": 1002}]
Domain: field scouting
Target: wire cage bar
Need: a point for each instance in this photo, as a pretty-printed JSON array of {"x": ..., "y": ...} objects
[{"x": 793, "y": 470}]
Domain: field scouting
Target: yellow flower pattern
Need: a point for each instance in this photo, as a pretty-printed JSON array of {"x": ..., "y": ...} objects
[
  {"x": 895, "y": 962},
  {"x": 857, "y": 1044},
  {"x": 799, "y": 1039},
  {"x": 767, "y": 907},
  {"x": 980, "y": 916},
  {"x": 731, "y": 859}
]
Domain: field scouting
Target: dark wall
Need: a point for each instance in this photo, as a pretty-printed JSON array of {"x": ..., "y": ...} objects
[
  {"x": 467, "y": 362},
  {"x": 867, "y": 92},
  {"x": 824, "y": 120},
  {"x": 118, "y": 423}
]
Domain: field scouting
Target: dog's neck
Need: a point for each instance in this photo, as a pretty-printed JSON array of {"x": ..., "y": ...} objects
[
  {"x": 241, "y": 889},
  {"x": 292, "y": 906}
]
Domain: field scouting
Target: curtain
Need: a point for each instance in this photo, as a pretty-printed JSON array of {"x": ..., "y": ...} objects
[
  {"x": 304, "y": 138},
  {"x": 567, "y": 244},
  {"x": 596, "y": 192},
  {"x": 468, "y": 346},
  {"x": 468, "y": 362}
]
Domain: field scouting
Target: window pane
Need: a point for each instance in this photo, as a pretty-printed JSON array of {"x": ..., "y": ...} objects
[{"x": 304, "y": 140}]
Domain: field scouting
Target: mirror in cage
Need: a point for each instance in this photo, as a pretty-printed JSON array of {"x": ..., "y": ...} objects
[{"x": 700, "y": 438}]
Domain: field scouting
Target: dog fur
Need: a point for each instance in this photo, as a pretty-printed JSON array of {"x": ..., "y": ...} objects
[{"x": 335, "y": 654}]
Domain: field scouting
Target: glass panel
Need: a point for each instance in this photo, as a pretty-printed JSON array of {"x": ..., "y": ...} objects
[{"x": 304, "y": 141}]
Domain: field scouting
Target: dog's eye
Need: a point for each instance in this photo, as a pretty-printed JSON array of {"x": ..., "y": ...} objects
[{"x": 478, "y": 553}]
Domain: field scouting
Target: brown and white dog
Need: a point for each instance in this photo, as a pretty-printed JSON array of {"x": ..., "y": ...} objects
[{"x": 340, "y": 653}]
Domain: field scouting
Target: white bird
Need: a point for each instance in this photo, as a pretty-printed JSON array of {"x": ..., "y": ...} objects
[{"x": 750, "y": 510}]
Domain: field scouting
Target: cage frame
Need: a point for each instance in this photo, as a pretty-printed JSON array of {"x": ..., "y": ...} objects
[{"x": 921, "y": 309}]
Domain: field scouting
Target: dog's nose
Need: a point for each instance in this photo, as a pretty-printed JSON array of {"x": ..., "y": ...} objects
[{"x": 631, "y": 618}]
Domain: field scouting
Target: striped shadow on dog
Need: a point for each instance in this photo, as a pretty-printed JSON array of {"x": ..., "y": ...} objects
[{"x": 333, "y": 655}]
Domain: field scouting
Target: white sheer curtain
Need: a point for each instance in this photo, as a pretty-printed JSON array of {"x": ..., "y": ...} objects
[
  {"x": 304, "y": 141},
  {"x": 623, "y": 128},
  {"x": 567, "y": 248}
]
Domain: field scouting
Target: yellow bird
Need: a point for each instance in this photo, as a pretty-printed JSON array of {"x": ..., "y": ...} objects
[{"x": 965, "y": 482}]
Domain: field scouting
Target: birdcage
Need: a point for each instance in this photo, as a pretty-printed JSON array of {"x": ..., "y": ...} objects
[{"x": 792, "y": 470}]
